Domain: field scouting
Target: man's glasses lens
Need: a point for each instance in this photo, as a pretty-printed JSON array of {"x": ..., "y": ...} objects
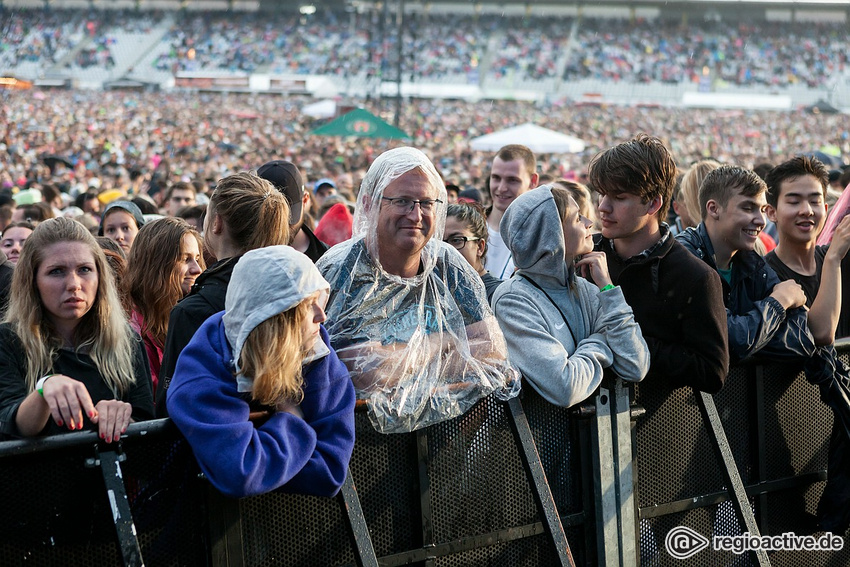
[{"x": 404, "y": 206}]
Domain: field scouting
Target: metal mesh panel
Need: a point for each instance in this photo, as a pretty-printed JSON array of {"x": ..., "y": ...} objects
[
  {"x": 55, "y": 512},
  {"x": 167, "y": 500},
  {"x": 556, "y": 440},
  {"x": 384, "y": 470},
  {"x": 708, "y": 521},
  {"x": 529, "y": 552},
  {"x": 668, "y": 470},
  {"x": 296, "y": 530},
  {"x": 478, "y": 483},
  {"x": 735, "y": 405},
  {"x": 797, "y": 425}
]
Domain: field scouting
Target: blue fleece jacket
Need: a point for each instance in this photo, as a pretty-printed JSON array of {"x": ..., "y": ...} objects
[{"x": 308, "y": 455}]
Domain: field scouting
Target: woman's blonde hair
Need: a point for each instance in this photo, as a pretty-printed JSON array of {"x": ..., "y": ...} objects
[
  {"x": 256, "y": 214},
  {"x": 273, "y": 353},
  {"x": 689, "y": 189},
  {"x": 103, "y": 332},
  {"x": 151, "y": 287}
]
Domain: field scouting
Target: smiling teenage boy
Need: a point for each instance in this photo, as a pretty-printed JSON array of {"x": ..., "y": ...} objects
[
  {"x": 796, "y": 190},
  {"x": 676, "y": 299},
  {"x": 796, "y": 193},
  {"x": 764, "y": 315}
]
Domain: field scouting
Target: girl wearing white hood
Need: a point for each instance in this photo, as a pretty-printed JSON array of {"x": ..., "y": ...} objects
[
  {"x": 562, "y": 330},
  {"x": 261, "y": 397}
]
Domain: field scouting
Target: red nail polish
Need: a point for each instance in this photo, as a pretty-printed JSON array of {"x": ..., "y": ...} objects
[
  {"x": 102, "y": 436},
  {"x": 59, "y": 423}
]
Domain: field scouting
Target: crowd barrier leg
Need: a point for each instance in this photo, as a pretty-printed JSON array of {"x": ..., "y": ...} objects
[
  {"x": 110, "y": 467},
  {"x": 364, "y": 551},
  {"x": 614, "y": 478},
  {"x": 537, "y": 479},
  {"x": 225, "y": 530},
  {"x": 605, "y": 498},
  {"x": 427, "y": 513},
  {"x": 729, "y": 469},
  {"x": 621, "y": 428}
]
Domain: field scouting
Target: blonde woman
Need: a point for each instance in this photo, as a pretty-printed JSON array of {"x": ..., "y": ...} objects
[
  {"x": 68, "y": 358},
  {"x": 259, "y": 394}
]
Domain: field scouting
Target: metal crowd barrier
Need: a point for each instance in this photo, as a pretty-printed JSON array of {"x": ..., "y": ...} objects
[{"x": 517, "y": 483}]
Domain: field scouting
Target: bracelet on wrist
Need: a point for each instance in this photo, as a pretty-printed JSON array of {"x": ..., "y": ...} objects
[
  {"x": 39, "y": 386},
  {"x": 607, "y": 287}
]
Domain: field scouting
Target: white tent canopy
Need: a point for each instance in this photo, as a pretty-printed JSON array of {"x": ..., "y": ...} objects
[
  {"x": 539, "y": 140},
  {"x": 322, "y": 109}
]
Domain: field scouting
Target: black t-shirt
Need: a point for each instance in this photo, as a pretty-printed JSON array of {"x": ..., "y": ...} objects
[
  {"x": 811, "y": 284},
  {"x": 13, "y": 389}
]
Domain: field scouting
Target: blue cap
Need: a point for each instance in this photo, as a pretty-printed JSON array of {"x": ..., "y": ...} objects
[{"x": 323, "y": 181}]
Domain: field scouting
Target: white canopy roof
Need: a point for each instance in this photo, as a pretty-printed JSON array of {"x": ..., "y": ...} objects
[
  {"x": 322, "y": 109},
  {"x": 540, "y": 140}
]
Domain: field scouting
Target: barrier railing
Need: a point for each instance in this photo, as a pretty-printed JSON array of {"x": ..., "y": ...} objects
[{"x": 517, "y": 483}]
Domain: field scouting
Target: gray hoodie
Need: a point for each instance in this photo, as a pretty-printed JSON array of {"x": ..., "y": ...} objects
[{"x": 562, "y": 360}]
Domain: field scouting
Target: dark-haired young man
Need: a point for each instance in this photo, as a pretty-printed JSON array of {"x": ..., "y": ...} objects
[
  {"x": 513, "y": 172},
  {"x": 676, "y": 298},
  {"x": 286, "y": 178},
  {"x": 796, "y": 193},
  {"x": 796, "y": 203}
]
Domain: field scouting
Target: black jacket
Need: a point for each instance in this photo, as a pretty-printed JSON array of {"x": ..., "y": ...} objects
[
  {"x": 204, "y": 300},
  {"x": 757, "y": 322},
  {"x": 316, "y": 248},
  {"x": 677, "y": 301}
]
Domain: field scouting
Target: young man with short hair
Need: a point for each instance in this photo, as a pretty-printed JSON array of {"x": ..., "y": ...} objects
[
  {"x": 764, "y": 315},
  {"x": 676, "y": 298},
  {"x": 796, "y": 193},
  {"x": 796, "y": 203},
  {"x": 514, "y": 171},
  {"x": 179, "y": 195}
]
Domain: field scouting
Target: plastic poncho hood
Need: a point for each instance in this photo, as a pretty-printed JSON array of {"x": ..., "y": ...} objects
[
  {"x": 388, "y": 167},
  {"x": 265, "y": 282},
  {"x": 421, "y": 349}
]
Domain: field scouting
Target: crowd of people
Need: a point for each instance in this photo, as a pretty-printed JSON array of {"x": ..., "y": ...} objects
[
  {"x": 775, "y": 54},
  {"x": 771, "y": 54},
  {"x": 118, "y": 140},
  {"x": 213, "y": 292}
]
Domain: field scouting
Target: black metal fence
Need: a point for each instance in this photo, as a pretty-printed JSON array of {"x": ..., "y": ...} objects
[{"x": 470, "y": 491}]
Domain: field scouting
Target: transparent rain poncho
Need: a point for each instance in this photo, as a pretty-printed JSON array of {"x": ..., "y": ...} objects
[{"x": 422, "y": 349}]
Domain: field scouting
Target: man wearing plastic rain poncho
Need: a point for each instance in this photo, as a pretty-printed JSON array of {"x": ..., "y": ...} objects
[{"x": 407, "y": 314}]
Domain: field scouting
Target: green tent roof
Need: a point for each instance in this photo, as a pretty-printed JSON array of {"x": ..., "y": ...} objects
[{"x": 360, "y": 123}]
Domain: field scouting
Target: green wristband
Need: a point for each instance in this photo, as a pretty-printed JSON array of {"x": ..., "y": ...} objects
[
  {"x": 39, "y": 386},
  {"x": 607, "y": 287}
]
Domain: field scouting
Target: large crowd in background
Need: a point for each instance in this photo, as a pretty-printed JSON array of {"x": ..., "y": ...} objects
[
  {"x": 107, "y": 135},
  {"x": 464, "y": 47}
]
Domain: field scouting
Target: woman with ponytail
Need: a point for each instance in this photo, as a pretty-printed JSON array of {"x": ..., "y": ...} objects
[{"x": 245, "y": 212}]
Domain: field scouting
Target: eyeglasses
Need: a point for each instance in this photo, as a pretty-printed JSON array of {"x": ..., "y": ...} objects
[
  {"x": 460, "y": 241},
  {"x": 403, "y": 206}
]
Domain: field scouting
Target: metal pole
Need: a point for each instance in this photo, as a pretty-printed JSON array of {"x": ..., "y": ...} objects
[{"x": 400, "y": 62}]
